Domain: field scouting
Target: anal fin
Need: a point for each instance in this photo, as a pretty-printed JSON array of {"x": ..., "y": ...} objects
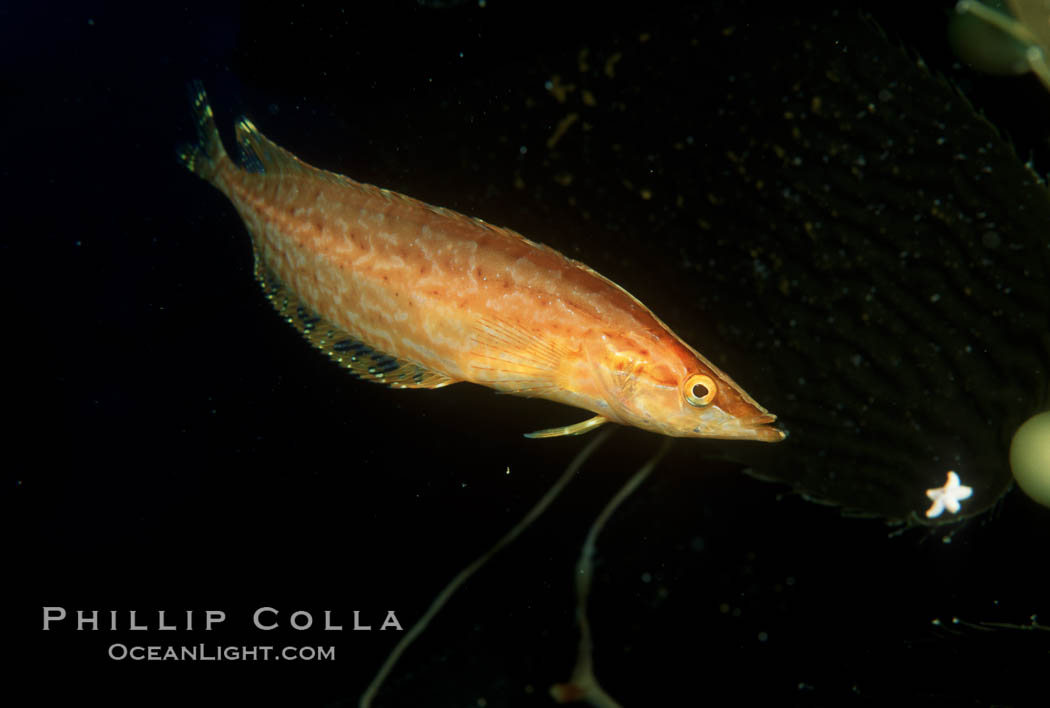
[{"x": 348, "y": 351}]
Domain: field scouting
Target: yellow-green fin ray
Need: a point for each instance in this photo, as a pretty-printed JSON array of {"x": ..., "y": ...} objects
[
  {"x": 359, "y": 357},
  {"x": 202, "y": 158}
]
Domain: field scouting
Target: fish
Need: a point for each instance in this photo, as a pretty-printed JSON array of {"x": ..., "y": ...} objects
[{"x": 417, "y": 296}]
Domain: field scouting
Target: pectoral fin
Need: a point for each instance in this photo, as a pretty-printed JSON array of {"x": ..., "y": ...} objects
[
  {"x": 515, "y": 359},
  {"x": 577, "y": 429}
]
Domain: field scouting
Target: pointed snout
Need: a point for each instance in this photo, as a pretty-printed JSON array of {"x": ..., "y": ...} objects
[{"x": 761, "y": 428}]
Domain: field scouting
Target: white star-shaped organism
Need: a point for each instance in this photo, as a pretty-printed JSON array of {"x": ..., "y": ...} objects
[{"x": 948, "y": 496}]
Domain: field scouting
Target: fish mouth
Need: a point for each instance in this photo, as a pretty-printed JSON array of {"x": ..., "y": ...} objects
[
  {"x": 760, "y": 428},
  {"x": 757, "y": 427}
]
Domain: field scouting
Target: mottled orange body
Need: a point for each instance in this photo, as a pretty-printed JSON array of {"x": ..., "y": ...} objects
[{"x": 452, "y": 298}]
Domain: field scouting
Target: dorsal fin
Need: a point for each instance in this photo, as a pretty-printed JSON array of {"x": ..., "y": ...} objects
[
  {"x": 262, "y": 155},
  {"x": 359, "y": 357}
]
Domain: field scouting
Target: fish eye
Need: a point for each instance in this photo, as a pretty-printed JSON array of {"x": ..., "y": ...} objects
[{"x": 700, "y": 390}]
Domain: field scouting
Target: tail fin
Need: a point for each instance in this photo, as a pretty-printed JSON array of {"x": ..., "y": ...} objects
[{"x": 205, "y": 157}]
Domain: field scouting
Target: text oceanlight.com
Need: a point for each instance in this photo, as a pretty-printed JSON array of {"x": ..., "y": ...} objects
[{"x": 206, "y": 652}]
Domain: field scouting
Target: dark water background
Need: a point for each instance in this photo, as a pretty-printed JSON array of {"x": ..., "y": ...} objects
[{"x": 178, "y": 447}]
